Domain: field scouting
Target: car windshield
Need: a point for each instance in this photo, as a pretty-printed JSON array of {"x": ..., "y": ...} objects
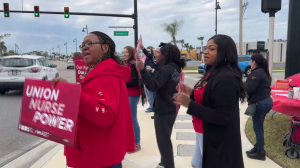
[{"x": 17, "y": 62}]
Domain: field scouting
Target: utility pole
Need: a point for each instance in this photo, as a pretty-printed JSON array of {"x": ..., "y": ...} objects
[
  {"x": 241, "y": 29},
  {"x": 58, "y": 49},
  {"x": 76, "y": 43},
  {"x": 243, "y": 8},
  {"x": 66, "y": 44}
]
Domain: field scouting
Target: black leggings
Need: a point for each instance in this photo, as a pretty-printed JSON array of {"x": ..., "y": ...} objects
[{"x": 163, "y": 129}]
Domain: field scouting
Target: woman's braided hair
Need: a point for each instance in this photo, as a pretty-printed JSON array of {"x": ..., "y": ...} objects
[{"x": 105, "y": 39}]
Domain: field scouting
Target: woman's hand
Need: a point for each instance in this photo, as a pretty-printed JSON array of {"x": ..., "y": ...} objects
[
  {"x": 55, "y": 80},
  {"x": 182, "y": 99},
  {"x": 149, "y": 68},
  {"x": 140, "y": 65},
  {"x": 185, "y": 89}
]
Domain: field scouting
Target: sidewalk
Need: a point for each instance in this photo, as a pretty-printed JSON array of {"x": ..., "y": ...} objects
[{"x": 183, "y": 139}]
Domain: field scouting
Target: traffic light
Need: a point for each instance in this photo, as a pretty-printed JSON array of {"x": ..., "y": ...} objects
[
  {"x": 36, "y": 11},
  {"x": 67, "y": 12},
  {"x": 6, "y": 9}
]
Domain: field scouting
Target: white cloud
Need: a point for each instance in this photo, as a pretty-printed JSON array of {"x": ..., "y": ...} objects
[{"x": 199, "y": 17}]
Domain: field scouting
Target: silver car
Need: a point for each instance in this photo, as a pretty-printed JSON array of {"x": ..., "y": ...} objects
[{"x": 70, "y": 64}]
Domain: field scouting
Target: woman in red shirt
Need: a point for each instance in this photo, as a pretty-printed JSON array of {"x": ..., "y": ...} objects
[
  {"x": 105, "y": 131},
  {"x": 134, "y": 93}
]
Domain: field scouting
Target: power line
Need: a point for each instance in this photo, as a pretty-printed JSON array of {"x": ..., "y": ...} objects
[{"x": 233, "y": 2}]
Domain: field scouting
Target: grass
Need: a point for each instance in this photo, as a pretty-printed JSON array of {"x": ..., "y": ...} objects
[
  {"x": 274, "y": 133},
  {"x": 191, "y": 68},
  {"x": 279, "y": 68}
]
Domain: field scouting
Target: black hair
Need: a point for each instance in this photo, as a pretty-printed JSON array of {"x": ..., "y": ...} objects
[
  {"x": 171, "y": 53},
  {"x": 105, "y": 39},
  {"x": 261, "y": 62},
  {"x": 226, "y": 56}
]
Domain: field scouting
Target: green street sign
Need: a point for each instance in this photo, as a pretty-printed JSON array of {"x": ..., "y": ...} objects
[{"x": 121, "y": 33}]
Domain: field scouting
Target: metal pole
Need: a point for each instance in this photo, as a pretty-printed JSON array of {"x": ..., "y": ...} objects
[
  {"x": 22, "y": 5},
  {"x": 271, "y": 41},
  {"x": 67, "y": 48},
  {"x": 135, "y": 27},
  {"x": 58, "y": 49},
  {"x": 241, "y": 29},
  {"x": 216, "y": 17},
  {"x": 76, "y": 43},
  {"x": 87, "y": 30}
]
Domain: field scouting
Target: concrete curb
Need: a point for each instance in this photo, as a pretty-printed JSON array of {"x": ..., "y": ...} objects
[
  {"x": 48, "y": 157},
  {"x": 29, "y": 158},
  {"x": 14, "y": 155}
]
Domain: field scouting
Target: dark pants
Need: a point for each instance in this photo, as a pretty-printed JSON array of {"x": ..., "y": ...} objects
[
  {"x": 263, "y": 107},
  {"x": 117, "y": 166},
  {"x": 163, "y": 129}
]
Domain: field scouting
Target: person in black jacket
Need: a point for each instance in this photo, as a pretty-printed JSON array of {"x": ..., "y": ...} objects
[
  {"x": 219, "y": 111},
  {"x": 152, "y": 68},
  {"x": 164, "y": 84},
  {"x": 259, "y": 92}
]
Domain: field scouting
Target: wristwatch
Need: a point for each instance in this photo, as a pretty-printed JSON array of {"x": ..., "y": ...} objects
[{"x": 153, "y": 70}]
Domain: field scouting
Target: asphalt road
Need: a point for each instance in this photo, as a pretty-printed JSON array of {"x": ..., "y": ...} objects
[{"x": 11, "y": 139}]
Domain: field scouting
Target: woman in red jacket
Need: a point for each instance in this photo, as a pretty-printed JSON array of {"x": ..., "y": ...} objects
[
  {"x": 105, "y": 131},
  {"x": 134, "y": 93}
]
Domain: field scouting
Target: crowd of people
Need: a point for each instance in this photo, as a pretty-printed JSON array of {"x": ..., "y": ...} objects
[{"x": 108, "y": 126}]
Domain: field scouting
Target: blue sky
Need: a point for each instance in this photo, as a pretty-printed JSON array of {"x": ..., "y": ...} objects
[{"x": 50, "y": 31}]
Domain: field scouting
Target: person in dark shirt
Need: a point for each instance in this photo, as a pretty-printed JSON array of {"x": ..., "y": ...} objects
[
  {"x": 259, "y": 92},
  {"x": 164, "y": 85},
  {"x": 219, "y": 108},
  {"x": 152, "y": 68},
  {"x": 134, "y": 92}
]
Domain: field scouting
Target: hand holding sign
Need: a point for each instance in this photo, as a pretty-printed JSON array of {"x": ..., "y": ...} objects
[
  {"x": 140, "y": 65},
  {"x": 55, "y": 80}
]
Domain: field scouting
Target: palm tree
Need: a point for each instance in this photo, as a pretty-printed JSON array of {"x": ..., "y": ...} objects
[
  {"x": 201, "y": 39},
  {"x": 173, "y": 28},
  {"x": 2, "y": 47},
  {"x": 188, "y": 49},
  {"x": 182, "y": 43}
]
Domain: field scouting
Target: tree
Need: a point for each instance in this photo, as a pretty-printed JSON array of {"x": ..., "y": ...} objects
[
  {"x": 173, "y": 28},
  {"x": 182, "y": 44},
  {"x": 1, "y": 37},
  {"x": 150, "y": 47},
  {"x": 3, "y": 47},
  {"x": 188, "y": 49},
  {"x": 201, "y": 39},
  {"x": 77, "y": 54}
]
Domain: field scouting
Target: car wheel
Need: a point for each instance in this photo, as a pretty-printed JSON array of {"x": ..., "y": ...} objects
[
  {"x": 248, "y": 71},
  {"x": 67, "y": 67},
  {"x": 45, "y": 78}
]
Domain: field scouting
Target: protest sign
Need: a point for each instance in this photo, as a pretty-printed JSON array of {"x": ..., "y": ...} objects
[
  {"x": 282, "y": 84},
  {"x": 50, "y": 113},
  {"x": 80, "y": 68},
  {"x": 181, "y": 82},
  {"x": 143, "y": 58}
]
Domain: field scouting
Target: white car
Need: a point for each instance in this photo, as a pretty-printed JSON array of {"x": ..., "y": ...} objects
[
  {"x": 16, "y": 68},
  {"x": 70, "y": 64}
]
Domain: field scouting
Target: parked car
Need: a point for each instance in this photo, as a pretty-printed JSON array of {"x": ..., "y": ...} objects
[
  {"x": 70, "y": 64},
  {"x": 244, "y": 62},
  {"x": 16, "y": 68}
]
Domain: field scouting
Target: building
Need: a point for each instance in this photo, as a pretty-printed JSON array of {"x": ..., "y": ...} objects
[
  {"x": 193, "y": 56},
  {"x": 279, "y": 49}
]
